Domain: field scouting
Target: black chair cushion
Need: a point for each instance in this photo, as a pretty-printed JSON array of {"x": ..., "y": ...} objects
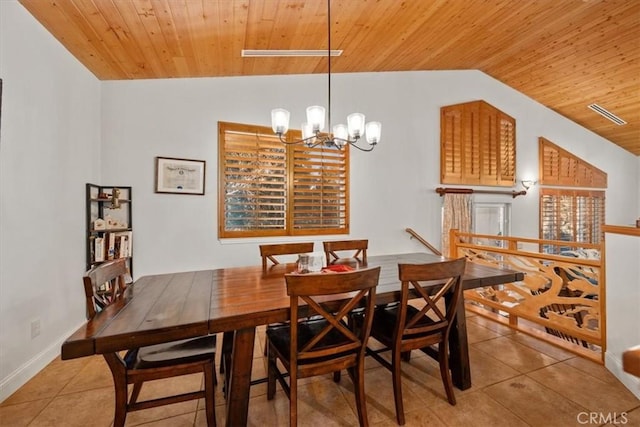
[
  {"x": 280, "y": 337},
  {"x": 385, "y": 318},
  {"x": 167, "y": 354}
]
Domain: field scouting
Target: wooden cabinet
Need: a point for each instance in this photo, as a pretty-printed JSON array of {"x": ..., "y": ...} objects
[
  {"x": 477, "y": 145},
  {"x": 108, "y": 224}
]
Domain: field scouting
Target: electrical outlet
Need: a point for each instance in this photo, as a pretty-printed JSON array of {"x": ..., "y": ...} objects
[{"x": 35, "y": 328}]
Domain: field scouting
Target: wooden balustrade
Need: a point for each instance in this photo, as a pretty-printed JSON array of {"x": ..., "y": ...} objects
[{"x": 560, "y": 300}]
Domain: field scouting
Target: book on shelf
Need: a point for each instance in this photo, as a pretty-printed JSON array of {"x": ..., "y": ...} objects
[
  {"x": 122, "y": 244},
  {"x": 111, "y": 245},
  {"x": 98, "y": 251}
]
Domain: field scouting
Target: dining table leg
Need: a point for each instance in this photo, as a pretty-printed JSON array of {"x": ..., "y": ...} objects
[
  {"x": 239, "y": 377},
  {"x": 459, "y": 350}
]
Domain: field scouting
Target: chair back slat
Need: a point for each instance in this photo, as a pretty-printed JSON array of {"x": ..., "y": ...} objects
[
  {"x": 335, "y": 337},
  {"x": 334, "y": 250},
  {"x": 104, "y": 284},
  {"x": 269, "y": 252},
  {"x": 432, "y": 283}
]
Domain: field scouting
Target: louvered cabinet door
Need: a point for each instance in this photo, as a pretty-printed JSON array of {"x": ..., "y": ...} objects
[
  {"x": 477, "y": 145},
  {"x": 507, "y": 147},
  {"x": 451, "y": 164}
]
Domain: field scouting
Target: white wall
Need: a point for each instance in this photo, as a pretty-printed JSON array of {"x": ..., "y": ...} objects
[
  {"x": 49, "y": 147},
  {"x": 623, "y": 299},
  {"x": 392, "y": 187}
]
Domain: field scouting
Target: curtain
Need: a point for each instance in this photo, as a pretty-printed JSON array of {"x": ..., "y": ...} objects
[{"x": 456, "y": 214}]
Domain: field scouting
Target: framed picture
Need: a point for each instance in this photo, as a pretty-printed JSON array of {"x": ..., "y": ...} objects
[{"x": 179, "y": 176}]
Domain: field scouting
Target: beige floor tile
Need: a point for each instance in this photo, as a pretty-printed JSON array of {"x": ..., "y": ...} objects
[
  {"x": 21, "y": 414},
  {"x": 87, "y": 408},
  {"x": 185, "y": 420},
  {"x": 543, "y": 347},
  {"x": 48, "y": 382},
  {"x": 490, "y": 324},
  {"x": 517, "y": 356},
  {"x": 477, "y": 333},
  {"x": 594, "y": 369},
  {"x": 322, "y": 403},
  {"x": 487, "y": 370},
  {"x": 423, "y": 417},
  {"x": 586, "y": 390},
  {"x": 263, "y": 412},
  {"x": 95, "y": 374},
  {"x": 166, "y": 387},
  {"x": 534, "y": 403},
  {"x": 417, "y": 391},
  {"x": 476, "y": 409}
]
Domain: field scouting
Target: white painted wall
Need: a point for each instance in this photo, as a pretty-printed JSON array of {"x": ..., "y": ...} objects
[
  {"x": 623, "y": 299},
  {"x": 391, "y": 188},
  {"x": 60, "y": 126},
  {"x": 49, "y": 147}
]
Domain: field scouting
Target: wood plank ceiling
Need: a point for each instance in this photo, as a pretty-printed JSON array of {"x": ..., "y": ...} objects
[{"x": 565, "y": 54}]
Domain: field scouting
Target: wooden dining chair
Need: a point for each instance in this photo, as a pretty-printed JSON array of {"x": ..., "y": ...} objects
[
  {"x": 334, "y": 250},
  {"x": 269, "y": 252},
  {"x": 323, "y": 342},
  {"x": 105, "y": 286},
  {"x": 402, "y": 327}
]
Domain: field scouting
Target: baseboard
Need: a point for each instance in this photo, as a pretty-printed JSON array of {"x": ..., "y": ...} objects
[
  {"x": 613, "y": 362},
  {"x": 28, "y": 370}
]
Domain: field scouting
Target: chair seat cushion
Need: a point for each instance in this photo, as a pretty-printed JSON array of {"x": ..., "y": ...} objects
[
  {"x": 280, "y": 337},
  {"x": 172, "y": 353},
  {"x": 385, "y": 318}
]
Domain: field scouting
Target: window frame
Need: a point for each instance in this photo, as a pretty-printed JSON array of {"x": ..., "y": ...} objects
[{"x": 328, "y": 186}]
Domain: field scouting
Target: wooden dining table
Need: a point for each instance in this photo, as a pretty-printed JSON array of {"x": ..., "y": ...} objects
[{"x": 167, "y": 307}]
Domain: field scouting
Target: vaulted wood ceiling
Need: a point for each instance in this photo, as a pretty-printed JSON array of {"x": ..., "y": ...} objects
[{"x": 565, "y": 54}]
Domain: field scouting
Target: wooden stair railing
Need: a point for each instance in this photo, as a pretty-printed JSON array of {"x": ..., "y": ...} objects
[{"x": 423, "y": 241}]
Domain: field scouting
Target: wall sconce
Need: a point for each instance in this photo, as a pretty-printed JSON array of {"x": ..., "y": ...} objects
[{"x": 527, "y": 184}]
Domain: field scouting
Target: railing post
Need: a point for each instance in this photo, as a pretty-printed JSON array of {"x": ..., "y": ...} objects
[{"x": 453, "y": 243}]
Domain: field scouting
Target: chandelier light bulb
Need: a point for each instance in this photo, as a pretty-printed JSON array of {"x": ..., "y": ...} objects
[
  {"x": 280, "y": 121},
  {"x": 355, "y": 123},
  {"x": 373, "y": 130},
  {"x": 315, "y": 117}
]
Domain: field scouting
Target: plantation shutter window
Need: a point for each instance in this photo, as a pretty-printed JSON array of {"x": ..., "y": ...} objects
[
  {"x": 320, "y": 182},
  {"x": 560, "y": 167},
  {"x": 571, "y": 215},
  {"x": 267, "y": 188}
]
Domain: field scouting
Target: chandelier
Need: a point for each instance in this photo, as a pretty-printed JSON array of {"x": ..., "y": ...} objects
[{"x": 312, "y": 130}]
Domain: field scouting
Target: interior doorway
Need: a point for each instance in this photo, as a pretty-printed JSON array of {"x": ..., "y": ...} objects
[{"x": 493, "y": 219}]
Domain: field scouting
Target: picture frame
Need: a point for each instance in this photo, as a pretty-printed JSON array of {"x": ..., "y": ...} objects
[{"x": 180, "y": 176}]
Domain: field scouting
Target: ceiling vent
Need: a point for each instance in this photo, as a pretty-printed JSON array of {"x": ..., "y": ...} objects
[
  {"x": 607, "y": 114},
  {"x": 256, "y": 53}
]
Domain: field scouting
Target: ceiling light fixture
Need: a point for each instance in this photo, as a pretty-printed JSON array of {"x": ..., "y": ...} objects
[{"x": 342, "y": 135}]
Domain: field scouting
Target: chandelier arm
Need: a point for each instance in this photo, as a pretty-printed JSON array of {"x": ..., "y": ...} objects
[
  {"x": 298, "y": 141},
  {"x": 371, "y": 147}
]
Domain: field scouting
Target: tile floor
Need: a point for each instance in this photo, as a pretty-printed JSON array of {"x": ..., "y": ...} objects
[{"x": 517, "y": 381}]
